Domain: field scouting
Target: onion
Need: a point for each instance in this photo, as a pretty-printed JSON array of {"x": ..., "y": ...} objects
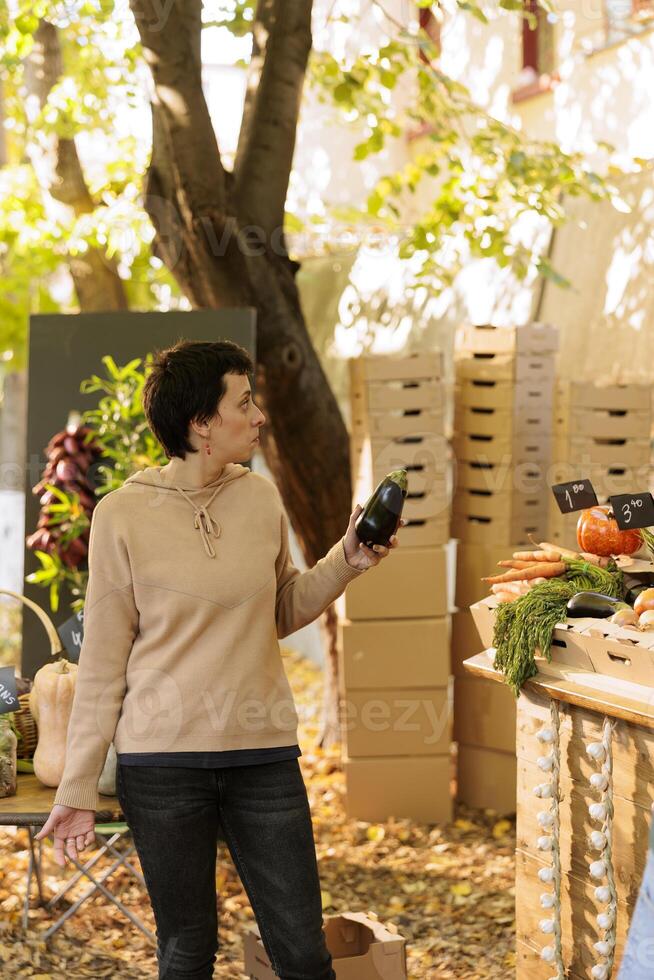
[
  {"x": 644, "y": 600},
  {"x": 625, "y": 617},
  {"x": 646, "y": 620}
]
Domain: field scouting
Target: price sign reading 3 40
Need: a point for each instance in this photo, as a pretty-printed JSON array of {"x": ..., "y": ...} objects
[{"x": 633, "y": 510}]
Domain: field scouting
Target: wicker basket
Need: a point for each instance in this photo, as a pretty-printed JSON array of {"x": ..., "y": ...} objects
[{"x": 23, "y": 719}]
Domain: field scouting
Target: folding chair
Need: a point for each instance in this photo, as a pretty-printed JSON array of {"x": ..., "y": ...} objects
[{"x": 117, "y": 830}]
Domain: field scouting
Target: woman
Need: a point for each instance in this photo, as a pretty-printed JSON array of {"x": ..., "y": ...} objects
[{"x": 190, "y": 587}]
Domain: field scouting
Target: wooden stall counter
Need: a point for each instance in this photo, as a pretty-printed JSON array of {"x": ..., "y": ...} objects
[{"x": 579, "y": 865}]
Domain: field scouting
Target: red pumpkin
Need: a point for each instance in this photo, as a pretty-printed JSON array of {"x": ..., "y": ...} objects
[{"x": 598, "y": 532}]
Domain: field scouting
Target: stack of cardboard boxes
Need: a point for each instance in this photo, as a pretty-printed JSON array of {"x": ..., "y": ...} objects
[
  {"x": 602, "y": 433},
  {"x": 503, "y": 444},
  {"x": 394, "y": 624}
]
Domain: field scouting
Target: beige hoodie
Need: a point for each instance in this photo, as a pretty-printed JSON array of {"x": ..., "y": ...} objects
[{"x": 190, "y": 589}]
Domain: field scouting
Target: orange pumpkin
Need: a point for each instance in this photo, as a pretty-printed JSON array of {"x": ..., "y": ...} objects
[{"x": 598, "y": 532}]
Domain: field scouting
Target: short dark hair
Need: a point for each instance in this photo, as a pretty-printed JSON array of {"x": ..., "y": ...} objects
[{"x": 186, "y": 382}]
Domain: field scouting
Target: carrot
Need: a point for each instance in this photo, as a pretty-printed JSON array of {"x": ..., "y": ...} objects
[
  {"x": 517, "y": 588},
  {"x": 540, "y": 570},
  {"x": 532, "y": 556},
  {"x": 514, "y": 563},
  {"x": 506, "y": 596},
  {"x": 547, "y": 546}
]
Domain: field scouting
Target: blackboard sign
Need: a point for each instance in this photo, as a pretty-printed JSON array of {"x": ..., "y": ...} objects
[
  {"x": 8, "y": 692},
  {"x": 576, "y": 495},
  {"x": 71, "y": 634},
  {"x": 633, "y": 510}
]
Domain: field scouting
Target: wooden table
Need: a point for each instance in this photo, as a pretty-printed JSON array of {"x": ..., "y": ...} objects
[
  {"x": 30, "y": 807},
  {"x": 582, "y": 710}
]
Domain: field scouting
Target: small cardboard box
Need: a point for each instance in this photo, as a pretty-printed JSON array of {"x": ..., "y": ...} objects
[
  {"x": 391, "y": 653},
  {"x": 624, "y": 654},
  {"x": 374, "y": 396},
  {"x": 488, "y": 531},
  {"x": 531, "y": 338},
  {"x": 581, "y": 394},
  {"x": 361, "y": 947},
  {"x": 417, "y": 788},
  {"x": 409, "y": 583},
  {"x": 393, "y": 367},
  {"x": 527, "y": 479},
  {"x": 503, "y": 447},
  {"x": 492, "y": 421},
  {"x": 589, "y": 451},
  {"x": 397, "y": 422},
  {"x": 523, "y": 369},
  {"x": 487, "y": 778},
  {"x": 484, "y": 714},
  {"x": 507, "y": 395},
  {"x": 400, "y": 721}
]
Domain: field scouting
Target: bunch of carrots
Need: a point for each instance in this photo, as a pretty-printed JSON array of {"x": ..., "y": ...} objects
[{"x": 529, "y": 568}]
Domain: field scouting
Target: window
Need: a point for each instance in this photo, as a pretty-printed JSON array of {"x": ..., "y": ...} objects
[{"x": 537, "y": 43}]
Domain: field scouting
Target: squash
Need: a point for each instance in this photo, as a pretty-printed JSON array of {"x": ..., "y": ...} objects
[
  {"x": 598, "y": 532},
  {"x": 51, "y": 702}
]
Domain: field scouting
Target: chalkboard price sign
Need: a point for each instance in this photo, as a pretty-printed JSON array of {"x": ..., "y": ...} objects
[
  {"x": 574, "y": 496},
  {"x": 71, "y": 634},
  {"x": 8, "y": 691},
  {"x": 633, "y": 510}
]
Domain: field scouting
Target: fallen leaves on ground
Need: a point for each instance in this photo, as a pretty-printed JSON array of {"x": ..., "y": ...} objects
[{"x": 445, "y": 888}]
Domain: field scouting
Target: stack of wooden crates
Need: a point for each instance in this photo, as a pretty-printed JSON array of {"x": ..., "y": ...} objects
[
  {"x": 503, "y": 444},
  {"x": 602, "y": 433},
  {"x": 395, "y": 690}
]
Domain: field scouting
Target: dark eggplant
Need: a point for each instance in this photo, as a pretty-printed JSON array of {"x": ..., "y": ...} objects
[
  {"x": 380, "y": 518},
  {"x": 594, "y": 605}
]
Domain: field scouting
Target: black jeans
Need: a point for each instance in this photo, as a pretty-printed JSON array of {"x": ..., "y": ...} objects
[{"x": 263, "y": 812}]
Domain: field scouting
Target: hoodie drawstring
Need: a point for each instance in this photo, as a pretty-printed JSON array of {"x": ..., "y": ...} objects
[{"x": 203, "y": 521}]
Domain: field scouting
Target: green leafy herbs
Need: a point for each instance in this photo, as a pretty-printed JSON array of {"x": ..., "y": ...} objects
[{"x": 526, "y": 626}]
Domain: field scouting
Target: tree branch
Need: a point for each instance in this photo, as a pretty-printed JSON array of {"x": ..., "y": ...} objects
[
  {"x": 171, "y": 46},
  {"x": 97, "y": 283},
  {"x": 281, "y": 47}
]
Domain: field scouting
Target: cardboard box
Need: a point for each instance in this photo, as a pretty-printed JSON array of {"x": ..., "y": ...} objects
[
  {"x": 508, "y": 395},
  {"x": 417, "y": 788},
  {"x": 374, "y": 396},
  {"x": 409, "y": 583},
  {"x": 523, "y": 369},
  {"x": 502, "y": 448},
  {"x": 426, "y": 532},
  {"x": 473, "y": 562},
  {"x": 465, "y": 642},
  {"x": 603, "y": 423},
  {"x": 527, "y": 479},
  {"x": 488, "y": 531},
  {"x": 581, "y": 394},
  {"x": 397, "y": 422},
  {"x": 400, "y": 721},
  {"x": 392, "y": 653},
  {"x": 393, "y": 367},
  {"x": 484, "y": 714},
  {"x": 589, "y": 451},
  {"x": 531, "y": 338},
  {"x": 486, "y": 778},
  {"x": 492, "y": 421},
  {"x": 361, "y": 947}
]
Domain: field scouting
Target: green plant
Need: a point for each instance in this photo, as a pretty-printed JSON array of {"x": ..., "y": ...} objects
[{"x": 120, "y": 429}]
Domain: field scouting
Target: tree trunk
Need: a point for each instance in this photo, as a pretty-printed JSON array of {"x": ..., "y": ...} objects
[{"x": 221, "y": 235}]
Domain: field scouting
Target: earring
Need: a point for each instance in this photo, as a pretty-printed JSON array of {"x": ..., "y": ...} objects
[{"x": 208, "y": 448}]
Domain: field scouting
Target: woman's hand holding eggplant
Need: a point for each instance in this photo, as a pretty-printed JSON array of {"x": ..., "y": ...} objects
[{"x": 358, "y": 554}]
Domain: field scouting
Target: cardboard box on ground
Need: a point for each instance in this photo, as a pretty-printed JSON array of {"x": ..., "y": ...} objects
[{"x": 361, "y": 947}]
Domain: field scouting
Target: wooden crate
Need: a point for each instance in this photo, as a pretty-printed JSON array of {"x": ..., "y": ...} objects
[
  {"x": 531, "y": 338},
  {"x": 502, "y": 448},
  {"x": 520, "y": 369},
  {"x": 396, "y": 367},
  {"x": 603, "y": 423},
  {"x": 580, "y": 394},
  {"x": 507, "y": 395},
  {"x": 491, "y": 421}
]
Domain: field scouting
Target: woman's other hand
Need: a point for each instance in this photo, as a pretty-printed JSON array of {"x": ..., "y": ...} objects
[
  {"x": 72, "y": 830},
  {"x": 358, "y": 554}
]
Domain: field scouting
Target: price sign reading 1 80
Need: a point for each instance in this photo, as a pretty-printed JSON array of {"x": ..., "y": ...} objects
[
  {"x": 576, "y": 495},
  {"x": 633, "y": 510}
]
